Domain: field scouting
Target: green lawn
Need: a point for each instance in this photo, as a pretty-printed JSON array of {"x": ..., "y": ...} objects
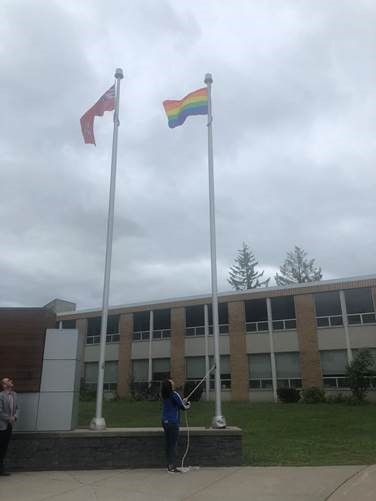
[{"x": 274, "y": 434}]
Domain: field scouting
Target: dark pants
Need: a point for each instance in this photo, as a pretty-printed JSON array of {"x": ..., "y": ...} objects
[
  {"x": 171, "y": 432},
  {"x": 4, "y": 442}
]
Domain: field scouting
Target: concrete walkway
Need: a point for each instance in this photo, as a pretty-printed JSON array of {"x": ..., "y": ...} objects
[{"x": 334, "y": 483}]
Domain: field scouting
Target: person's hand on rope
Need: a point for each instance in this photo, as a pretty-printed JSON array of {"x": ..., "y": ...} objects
[{"x": 187, "y": 403}]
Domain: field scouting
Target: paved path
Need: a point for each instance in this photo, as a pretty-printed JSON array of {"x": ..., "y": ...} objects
[{"x": 335, "y": 483}]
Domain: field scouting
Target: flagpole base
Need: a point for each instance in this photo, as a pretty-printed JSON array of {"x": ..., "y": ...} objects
[
  {"x": 98, "y": 424},
  {"x": 218, "y": 422}
]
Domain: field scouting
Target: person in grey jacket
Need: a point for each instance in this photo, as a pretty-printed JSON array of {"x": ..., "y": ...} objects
[{"x": 8, "y": 418}]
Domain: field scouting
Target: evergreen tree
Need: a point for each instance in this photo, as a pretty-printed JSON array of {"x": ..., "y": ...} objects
[
  {"x": 243, "y": 274},
  {"x": 298, "y": 269},
  {"x": 358, "y": 373}
]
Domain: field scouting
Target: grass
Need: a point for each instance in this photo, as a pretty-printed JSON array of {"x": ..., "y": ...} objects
[{"x": 273, "y": 434}]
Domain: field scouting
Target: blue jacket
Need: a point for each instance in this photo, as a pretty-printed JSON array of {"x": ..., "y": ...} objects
[{"x": 172, "y": 407}]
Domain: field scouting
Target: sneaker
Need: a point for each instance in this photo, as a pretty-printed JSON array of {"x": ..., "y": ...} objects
[{"x": 173, "y": 470}]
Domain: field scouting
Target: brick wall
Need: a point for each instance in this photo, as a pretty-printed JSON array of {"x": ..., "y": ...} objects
[
  {"x": 309, "y": 355},
  {"x": 138, "y": 448},
  {"x": 238, "y": 351},
  {"x": 178, "y": 345},
  {"x": 125, "y": 352},
  {"x": 22, "y": 335}
]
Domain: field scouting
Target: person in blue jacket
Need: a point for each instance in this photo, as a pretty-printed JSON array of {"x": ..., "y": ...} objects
[{"x": 172, "y": 405}]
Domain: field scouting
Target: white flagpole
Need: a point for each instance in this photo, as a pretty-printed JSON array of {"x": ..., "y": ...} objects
[
  {"x": 98, "y": 422},
  {"x": 218, "y": 420}
]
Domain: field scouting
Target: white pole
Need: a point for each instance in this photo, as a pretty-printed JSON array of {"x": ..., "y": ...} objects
[
  {"x": 346, "y": 326},
  {"x": 271, "y": 344},
  {"x": 218, "y": 420},
  {"x": 151, "y": 328},
  {"x": 207, "y": 380},
  {"x": 98, "y": 422}
]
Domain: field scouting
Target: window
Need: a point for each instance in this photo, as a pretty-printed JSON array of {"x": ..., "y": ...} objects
[
  {"x": 140, "y": 370},
  {"x": 256, "y": 315},
  {"x": 359, "y": 301},
  {"x": 161, "y": 369},
  {"x": 288, "y": 370},
  {"x": 225, "y": 372},
  {"x": 333, "y": 366},
  {"x": 113, "y": 324},
  {"x": 91, "y": 372},
  {"x": 194, "y": 316},
  {"x": 141, "y": 321},
  {"x": 194, "y": 368},
  {"x": 110, "y": 375},
  {"x": 195, "y": 319},
  {"x": 94, "y": 329},
  {"x": 360, "y": 307},
  {"x": 283, "y": 313},
  {"x": 328, "y": 309},
  {"x": 141, "y": 326},
  {"x": 260, "y": 371},
  {"x": 113, "y": 329},
  {"x": 66, "y": 324},
  {"x": 162, "y": 319},
  {"x": 222, "y": 314},
  {"x": 162, "y": 324},
  {"x": 333, "y": 361}
]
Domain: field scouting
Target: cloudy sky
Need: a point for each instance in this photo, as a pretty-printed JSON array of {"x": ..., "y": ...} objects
[{"x": 294, "y": 104}]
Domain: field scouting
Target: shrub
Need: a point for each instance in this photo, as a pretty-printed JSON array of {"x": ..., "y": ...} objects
[
  {"x": 358, "y": 373},
  {"x": 288, "y": 395},
  {"x": 188, "y": 387},
  {"x": 145, "y": 391},
  {"x": 340, "y": 398},
  {"x": 313, "y": 395},
  {"x": 87, "y": 393}
]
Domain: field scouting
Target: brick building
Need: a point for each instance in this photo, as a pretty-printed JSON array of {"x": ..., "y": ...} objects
[{"x": 297, "y": 336}]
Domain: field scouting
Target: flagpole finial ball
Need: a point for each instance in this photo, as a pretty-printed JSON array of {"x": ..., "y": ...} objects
[
  {"x": 119, "y": 73},
  {"x": 208, "y": 78}
]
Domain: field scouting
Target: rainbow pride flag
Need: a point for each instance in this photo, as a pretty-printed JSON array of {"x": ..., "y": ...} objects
[{"x": 195, "y": 103}]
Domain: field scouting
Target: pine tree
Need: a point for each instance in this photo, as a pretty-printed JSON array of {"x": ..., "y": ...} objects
[
  {"x": 298, "y": 269},
  {"x": 358, "y": 373},
  {"x": 243, "y": 274}
]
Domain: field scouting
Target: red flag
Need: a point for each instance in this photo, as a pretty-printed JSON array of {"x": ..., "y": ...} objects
[{"x": 104, "y": 103}]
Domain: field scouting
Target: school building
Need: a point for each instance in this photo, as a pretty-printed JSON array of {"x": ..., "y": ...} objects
[{"x": 298, "y": 336}]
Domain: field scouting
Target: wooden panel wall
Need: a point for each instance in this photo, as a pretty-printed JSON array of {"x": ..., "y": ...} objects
[{"x": 22, "y": 335}]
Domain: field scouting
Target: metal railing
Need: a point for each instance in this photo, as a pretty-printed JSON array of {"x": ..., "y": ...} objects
[
  {"x": 106, "y": 386},
  {"x": 225, "y": 382},
  {"x": 329, "y": 321},
  {"x": 353, "y": 319},
  {"x": 277, "y": 325},
  {"x": 362, "y": 318},
  {"x": 157, "y": 334},
  {"x": 162, "y": 334},
  {"x": 342, "y": 382},
  {"x": 95, "y": 339},
  {"x": 267, "y": 383},
  {"x": 200, "y": 330}
]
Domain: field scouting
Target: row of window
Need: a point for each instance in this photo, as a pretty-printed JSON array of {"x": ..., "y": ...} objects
[
  {"x": 359, "y": 305},
  {"x": 333, "y": 365}
]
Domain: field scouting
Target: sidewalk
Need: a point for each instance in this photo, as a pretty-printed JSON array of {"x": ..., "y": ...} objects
[{"x": 334, "y": 483}]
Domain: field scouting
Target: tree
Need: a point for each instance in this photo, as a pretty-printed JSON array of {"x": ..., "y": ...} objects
[
  {"x": 298, "y": 269},
  {"x": 358, "y": 373},
  {"x": 243, "y": 274}
]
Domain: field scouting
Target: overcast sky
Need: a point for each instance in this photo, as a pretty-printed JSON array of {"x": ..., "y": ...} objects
[{"x": 294, "y": 105}]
